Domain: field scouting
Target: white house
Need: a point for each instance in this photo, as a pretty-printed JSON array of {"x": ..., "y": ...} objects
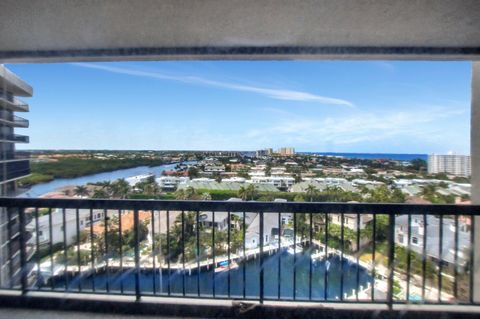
[
  {"x": 276, "y": 181},
  {"x": 134, "y": 180},
  {"x": 171, "y": 182},
  {"x": 58, "y": 226}
]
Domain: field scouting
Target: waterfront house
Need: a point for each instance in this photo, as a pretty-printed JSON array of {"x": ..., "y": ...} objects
[
  {"x": 432, "y": 229},
  {"x": 58, "y": 226}
]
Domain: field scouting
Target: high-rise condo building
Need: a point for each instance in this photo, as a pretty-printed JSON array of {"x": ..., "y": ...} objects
[
  {"x": 285, "y": 151},
  {"x": 458, "y": 165},
  {"x": 13, "y": 165}
]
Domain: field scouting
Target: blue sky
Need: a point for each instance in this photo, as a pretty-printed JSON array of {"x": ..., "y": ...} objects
[{"x": 386, "y": 107}]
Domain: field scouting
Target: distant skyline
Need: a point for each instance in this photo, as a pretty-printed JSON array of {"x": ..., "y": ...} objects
[{"x": 314, "y": 106}]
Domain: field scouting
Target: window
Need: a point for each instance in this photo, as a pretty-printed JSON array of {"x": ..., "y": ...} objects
[{"x": 415, "y": 240}]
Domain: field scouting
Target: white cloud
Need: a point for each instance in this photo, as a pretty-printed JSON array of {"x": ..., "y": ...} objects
[
  {"x": 279, "y": 94},
  {"x": 354, "y": 129}
]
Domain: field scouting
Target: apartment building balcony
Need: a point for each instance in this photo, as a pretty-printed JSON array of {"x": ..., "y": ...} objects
[
  {"x": 13, "y": 84},
  {"x": 12, "y": 103},
  {"x": 176, "y": 263},
  {"x": 14, "y": 156},
  {"x": 14, "y": 170},
  {"x": 14, "y": 138},
  {"x": 15, "y": 121}
]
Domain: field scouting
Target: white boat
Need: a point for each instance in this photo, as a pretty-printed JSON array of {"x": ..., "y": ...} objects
[
  {"x": 224, "y": 266},
  {"x": 292, "y": 251},
  {"x": 317, "y": 256}
]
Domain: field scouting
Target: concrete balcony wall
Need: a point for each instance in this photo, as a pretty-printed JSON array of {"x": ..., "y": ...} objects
[{"x": 238, "y": 29}]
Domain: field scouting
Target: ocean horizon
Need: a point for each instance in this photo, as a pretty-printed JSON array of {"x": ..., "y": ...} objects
[{"x": 391, "y": 156}]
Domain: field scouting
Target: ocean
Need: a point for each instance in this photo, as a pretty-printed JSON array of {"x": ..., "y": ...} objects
[{"x": 392, "y": 156}]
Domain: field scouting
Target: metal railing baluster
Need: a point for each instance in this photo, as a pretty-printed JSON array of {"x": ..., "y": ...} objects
[
  {"x": 391, "y": 257},
  {"x": 169, "y": 288},
  {"x": 107, "y": 266},
  {"x": 455, "y": 270},
  {"x": 50, "y": 245},
  {"x": 183, "y": 255},
  {"x": 65, "y": 260},
  {"x": 342, "y": 241},
  {"x": 327, "y": 262},
  {"x": 294, "y": 256},
  {"x": 120, "y": 250},
  {"x": 198, "y": 252},
  {"x": 244, "y": 266},
  {"x": 424, "y": 256},
  {"x": 374, "y": 248},
  {"x": 409, "y": 252},
  {"x": 37, "y": 243},
  {"x": 310, "y": 270},
  {"x": 440, "y": 257},
  {"x": 213, "y": 254},
  {"x": 23, "y": 251},
  {"x": 358, "y": 257},
  {"x": 229, "y": 244},
  {"x": 79, "y": 260},
  {"x": 92, "y": 250},
  {"x": 472, "y": 259},
  {"x": 154, "y": 254},
  {"x": 262, "y": 279},
  {"x": 136, "y": 226},
  {"x": 279, "y": 254}
]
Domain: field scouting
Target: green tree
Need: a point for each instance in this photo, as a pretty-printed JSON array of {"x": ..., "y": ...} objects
[
  {"x": 243, "y": 193},
  {"x": 81, "y": 191},
  {"x": 193, "y": 172},
  {"x": 206, "y": 196},
  {"x": 100, "y": 193},
  {"x": 120, "y": 188},
  {"x": 311, "y": 192},
  {"x": 252, "y": 191}
]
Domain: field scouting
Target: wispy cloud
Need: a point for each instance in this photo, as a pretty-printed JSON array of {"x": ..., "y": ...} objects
[
  {"x": 385, "y": 65},
  {"x": 354, "y": 129},
  {"x": 279, "y": 94}
]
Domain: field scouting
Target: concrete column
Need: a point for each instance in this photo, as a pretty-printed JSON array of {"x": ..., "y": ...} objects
[{"x": 475, "y": 155}]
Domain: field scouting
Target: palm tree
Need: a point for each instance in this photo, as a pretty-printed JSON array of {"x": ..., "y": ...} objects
[
  {"x": 99, "y": 193},
  {"x": 151, "y": 188},
  {"x": 243, "y": 193},
  {"x": 189, "y": 192},
  {"x": 252, "y": 191},
  {"x": 121, "y": 188},
  {"x": 311, "y": 191},
  {"x": 81, "y": 191},
  {"x": 180, "y": 194}
]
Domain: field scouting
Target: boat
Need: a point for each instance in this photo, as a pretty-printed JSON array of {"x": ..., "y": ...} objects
[
  {"x": 317, "y": 256},
  {"x": 225, "y": 265},
  {"x": 292, "y": 251}
]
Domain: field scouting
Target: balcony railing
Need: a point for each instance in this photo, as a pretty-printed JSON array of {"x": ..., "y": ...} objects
[
  {"x": 16, "y": 138},
  {"x": 14, "y": 155},
  {"x": 13, "y": 170},
  {"x": 14, "y": 121},
  {"x": 317, "y": 252},
  {"x": 12, "y": 103}
]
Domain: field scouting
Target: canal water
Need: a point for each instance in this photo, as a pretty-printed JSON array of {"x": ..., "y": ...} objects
[
  {"x": 176, "y": 280},
  {"x": 41, "y": 189}
]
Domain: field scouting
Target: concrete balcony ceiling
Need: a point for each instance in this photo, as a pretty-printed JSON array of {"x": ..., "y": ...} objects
[{"x": 55, "y": 30}]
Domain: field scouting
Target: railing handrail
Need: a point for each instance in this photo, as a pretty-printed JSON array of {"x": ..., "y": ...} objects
[{"x": 244, "y": 206}]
